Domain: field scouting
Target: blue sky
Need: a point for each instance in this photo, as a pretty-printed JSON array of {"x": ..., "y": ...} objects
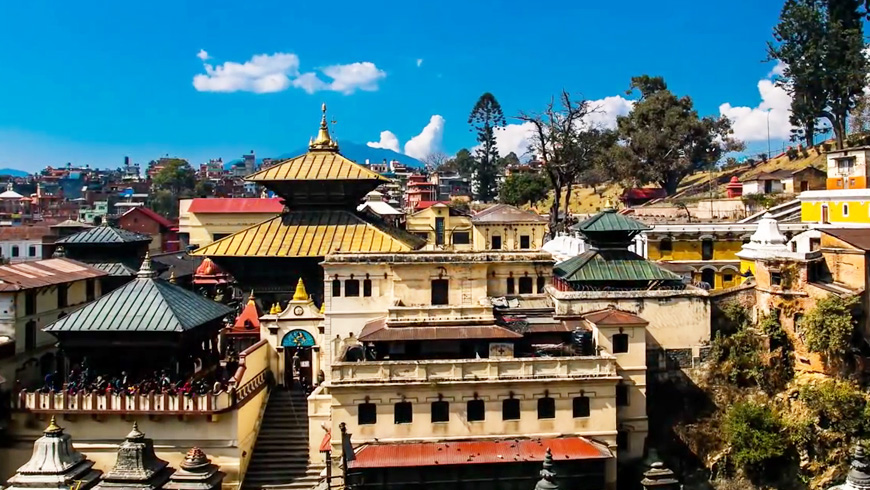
[{"x": 90, "y": 82}]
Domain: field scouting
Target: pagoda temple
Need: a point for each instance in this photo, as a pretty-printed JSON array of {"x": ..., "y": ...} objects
[
  {"x": 116, "y": 251},
  {"x": 55, "y": 465},
  {"x": 320, "y": 191},
  {"x": 609, "y": 264},
  {"x": 137, "y": 466},
  {"x": 144, "y": 326}
]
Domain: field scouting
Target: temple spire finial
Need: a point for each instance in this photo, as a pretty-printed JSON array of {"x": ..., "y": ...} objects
[
  {"x": 301, "y": 294},
  {"x": 323, "y": 141},
  {"x": 145, "y": 271},
  {"x": 52, "y": 428},
  {"x": 172, "y": 279}
]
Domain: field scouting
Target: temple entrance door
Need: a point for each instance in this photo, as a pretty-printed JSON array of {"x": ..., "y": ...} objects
[{"x": 298, "y": 359}]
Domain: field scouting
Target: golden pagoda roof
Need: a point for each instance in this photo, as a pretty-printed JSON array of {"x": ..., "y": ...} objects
[
  {"x": 322, "y": 162},
  {"x": 312, "y": 233}
]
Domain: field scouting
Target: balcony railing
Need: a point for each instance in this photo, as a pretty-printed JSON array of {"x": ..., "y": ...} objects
[
  {"x": 445, "y": 313},
  {"x": 527, "y": 368}
]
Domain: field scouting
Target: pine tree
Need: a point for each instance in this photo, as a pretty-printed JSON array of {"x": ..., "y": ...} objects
[{"x": 485, "y": 118}]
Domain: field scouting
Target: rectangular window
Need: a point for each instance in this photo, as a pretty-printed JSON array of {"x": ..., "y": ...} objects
[
  {"x": 440, "y": 411},
  {"x": 367, "y": 414},
  {"x": 461, "y": 238},
  {"x": 439, "y": 231},
  {"x": 62, "y": 301},
  {"x": 621, "y": 395},
  {"x": 336, "y": 288},
  {"x": 546, "y": 408},
  {"x": 707, "y": 249},
  {"x": 217, "y": 236},
  {"x": 90, "y": 289},
  {"x": 815, "y": 244},
  {"x": 423, "y": 235},
  {"x": 30, "y": 303},
  {"x": 620, "y": 343},
  {"x": 775, "y": 278},
  {"x": 526, "y": 285},
  {"x": 31, "y": 251},
  {"x": 440, "y": 292},
  {"x": 496, "y": 243},
  {"x": 30, "y": 335},
  {"x": 351, "y": 288},
  {"x": 15, "y": 252},
  {"x": 728, "y": 277},
  {"x": 476, "y": 410},
  {"x": 403, "y": 413},
  {"x": 844, "y": 165},
  {"x": 581, "y": 407},
  {"x": 525, "y": 241},
  {"x": 510, "y": 409},
  {"x": 622, "y": 440},
  {"x": 542, "y": 283},
  {"x": 666, "y": 246},
  {"x": 510, "y": 285},
  {"x": 367, "y": 287}
]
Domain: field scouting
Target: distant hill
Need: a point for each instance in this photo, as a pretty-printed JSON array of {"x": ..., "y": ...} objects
[
  {"x": 13, "y": 172},
  {"x": 355, "y": 151}
]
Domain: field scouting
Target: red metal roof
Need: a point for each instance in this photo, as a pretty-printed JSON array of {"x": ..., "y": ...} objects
[
  {"x": 236, "y": 205},
  {"x": 152, "y": 215},
  {"x": 419, "y": 205},
  {"x": 612, "y": 316},
  {"x": 476, "y": 452},
  {"x": 41, "y": 273},
  {"x": 248, "y": 322}
]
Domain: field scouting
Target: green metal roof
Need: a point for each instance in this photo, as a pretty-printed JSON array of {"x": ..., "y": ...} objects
[
  {"x": 116, "y": 269},
  {"x": 99, "y": 235},
  {"x": 610, "y": 220},
  {"x": 146, "y": 304},
  {"x": 611, "y": 265}
]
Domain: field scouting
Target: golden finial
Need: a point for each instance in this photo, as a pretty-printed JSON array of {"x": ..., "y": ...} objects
[
  {"x": 272, "y": 309},
  {"x": 278, "y": 309},
  {"x": 300, "y": 294},
  {"x": 323, "y": 308},
  {"x": 52, "y": 428},
  {"x": 251, "y": 297},
  {"x": 172, "y": 276},
  {"x": 323, "y": 141}
]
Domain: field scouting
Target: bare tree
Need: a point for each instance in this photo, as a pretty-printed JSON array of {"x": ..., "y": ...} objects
[
  {"x": 567, "y": 146},
  {"x": 435, "y": 159}
]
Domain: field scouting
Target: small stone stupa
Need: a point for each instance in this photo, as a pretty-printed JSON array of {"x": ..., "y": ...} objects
[
  {"x": 137, "y": 467},
  {"x": 548, "y": 474},
  {"x": 859, "y": 472},
  {"x": 55, "y": 465},
  {"x": 196, "y": 473},
  {"x": 659, "y": 477}
]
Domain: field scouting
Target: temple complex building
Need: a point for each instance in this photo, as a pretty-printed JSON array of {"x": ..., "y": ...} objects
[{"x": 116, "y": 251}]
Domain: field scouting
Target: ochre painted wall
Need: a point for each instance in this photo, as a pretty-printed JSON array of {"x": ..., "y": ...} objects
[{"x": 838, "y": 211}]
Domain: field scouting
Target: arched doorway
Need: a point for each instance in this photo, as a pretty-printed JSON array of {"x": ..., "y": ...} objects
[
  {"x": 709, "y": 276},
  {"x": 298, "y": 347}
]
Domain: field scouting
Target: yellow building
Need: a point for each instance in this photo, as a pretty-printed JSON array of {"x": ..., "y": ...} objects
[
  {"x": 202, "y": 221},
  {"x": 442, "y": 226},
  {"x": 503, "y": 227},
  {"x": 847, "y": 198},
  {"x": 709, "y": 250}
]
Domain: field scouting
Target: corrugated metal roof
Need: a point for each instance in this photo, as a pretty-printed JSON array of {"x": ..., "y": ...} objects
[
  {"x": 144, "y": 305},
  {"x": 383, "y": 333},
  {"x": 236, "y": 205},
  {"x": 316, "y": 165},
  {"x": 396, "y": 455},
  {"x": 161, "y": 220},
  {"x": 611, "y": 265},
  {"x": 99, "y": 235},
  {"x": 115, "y": 269},
  {"x": 857, "y": 237},
  {"x": 503, "y": 213},
  {"x": 610, "y": 220},
  {"x": 41, "y": 273},
  {"x": 312, "y": 234},
  {"x": 612, "y": 316}
]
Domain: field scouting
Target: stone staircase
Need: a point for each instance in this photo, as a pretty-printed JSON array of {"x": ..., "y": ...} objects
[{"x": 280, "y": 457}]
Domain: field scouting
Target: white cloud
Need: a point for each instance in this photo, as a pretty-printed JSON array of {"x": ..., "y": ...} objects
[
  {"x": 606, "y": 111},
  {"x": 388, "y": 141},
  {"x": 419, "y": 62},
  {"x": 778, "y": 70},
  {"x": 263, "y": 73},
  {"x": 514, "y": 138},
  {"x": 428, "y": 141},
  {"x": 280, "y": 71},
  {"x": 751, "y": 123}
]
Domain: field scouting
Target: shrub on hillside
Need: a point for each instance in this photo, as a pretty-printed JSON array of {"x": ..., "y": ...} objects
[
  {"x": 755, "y": 435},
  {"x": 828, "y": 328},
  {"x": 839, "y": 405}
]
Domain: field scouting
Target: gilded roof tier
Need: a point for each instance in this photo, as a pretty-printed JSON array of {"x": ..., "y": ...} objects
[
  {"x": 314, "y": 233},
  {"x": 316, "y": 165}
]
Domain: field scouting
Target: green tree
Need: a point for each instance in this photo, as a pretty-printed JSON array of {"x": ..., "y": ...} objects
[
  {"x": 165, "y": 203},
  {"x": 828, "y": 328},
  {"x": 821, "y": 43},
  {"x": 523, "y": 188},
  {"x": 509, "y": 160},
  {"x": 485, "y": 118},
  {"x": 664, "y": 139},
  {"x": 203, "y": 188},
  {"x": 754, "y": 433},
  {"x": 176, "y": 176}
]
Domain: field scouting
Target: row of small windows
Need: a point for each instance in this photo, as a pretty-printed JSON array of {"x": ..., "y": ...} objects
[
  {"x": 15, "y": 251},
  {"x": 525, "y": 242},
  {"x": 351, "y": 287},
  {"x": 526, "y": 285},
  {"x": 403, "y": 412}
]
